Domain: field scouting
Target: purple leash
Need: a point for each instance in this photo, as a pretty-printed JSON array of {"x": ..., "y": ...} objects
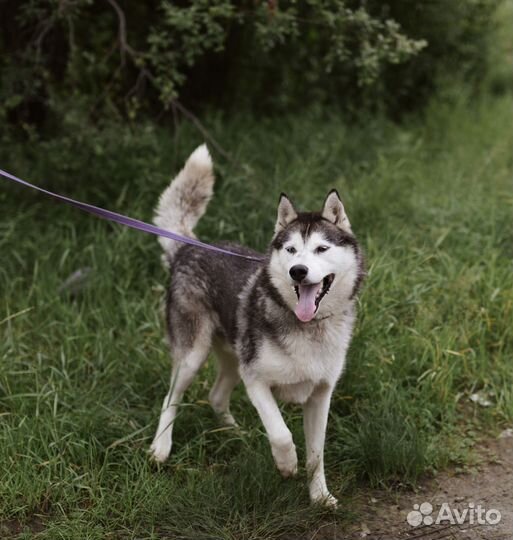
[{"x": 128, "y": 221}]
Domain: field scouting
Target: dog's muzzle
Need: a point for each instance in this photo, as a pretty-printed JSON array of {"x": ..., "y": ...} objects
[{"x": 309, "y": 296}]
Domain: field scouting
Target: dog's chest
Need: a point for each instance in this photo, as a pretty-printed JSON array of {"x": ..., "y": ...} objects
[{"x": 302, "y": 360}]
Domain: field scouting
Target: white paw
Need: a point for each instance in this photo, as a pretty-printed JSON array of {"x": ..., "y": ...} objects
[
  {"x": 325, "y": 499},
  {"x": 285, "y": 458},
  {"x": 227, "y": 419},
  {"x": 160, "y": 449}
]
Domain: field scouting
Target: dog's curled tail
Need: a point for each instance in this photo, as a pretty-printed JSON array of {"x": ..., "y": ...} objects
[{"x": 185, "y": 200}]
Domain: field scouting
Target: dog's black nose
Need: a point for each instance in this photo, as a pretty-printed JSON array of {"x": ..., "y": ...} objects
[{"x": 298, "y": 272}]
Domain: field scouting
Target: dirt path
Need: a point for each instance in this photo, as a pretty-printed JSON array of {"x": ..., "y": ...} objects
[{"x": 482, "y": 492}]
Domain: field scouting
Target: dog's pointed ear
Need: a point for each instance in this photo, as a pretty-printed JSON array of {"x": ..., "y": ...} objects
[
  {"x": 286, "y": 213},
  {"x": 333, "y": 210}
]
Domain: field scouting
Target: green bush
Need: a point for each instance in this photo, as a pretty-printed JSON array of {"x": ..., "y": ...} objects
[
  {"x": 123, "y": 58},
  {"x": 459, "y": 33}
]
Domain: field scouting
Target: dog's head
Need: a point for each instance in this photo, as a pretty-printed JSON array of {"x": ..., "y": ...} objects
[{"x": 312, "y": 254}]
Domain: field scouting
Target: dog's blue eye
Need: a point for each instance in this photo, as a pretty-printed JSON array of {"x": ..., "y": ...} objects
[
  {"x": 291, "y": 250},
  {"x": 322, "y": 249}
]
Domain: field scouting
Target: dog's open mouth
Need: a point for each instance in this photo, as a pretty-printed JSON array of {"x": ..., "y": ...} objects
[{"x": 309, "y": 297}]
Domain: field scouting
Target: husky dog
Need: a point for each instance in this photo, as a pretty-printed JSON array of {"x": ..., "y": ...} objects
[{"x": 270, "y": 322}]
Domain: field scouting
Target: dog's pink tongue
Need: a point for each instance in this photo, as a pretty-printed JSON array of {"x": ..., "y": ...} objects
[{"x": 305, "y": 309}]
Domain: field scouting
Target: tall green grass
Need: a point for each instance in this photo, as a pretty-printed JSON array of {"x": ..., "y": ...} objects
[{"x": 82, "y": 378}]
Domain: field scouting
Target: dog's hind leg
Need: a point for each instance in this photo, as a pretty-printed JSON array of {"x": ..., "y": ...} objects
[
  {"x": 186, "y": 364},
  {"x": 227, "y": 379}
]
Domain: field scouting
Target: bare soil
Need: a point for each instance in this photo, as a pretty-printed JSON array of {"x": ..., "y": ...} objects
[{"x": 489, "y": 484}]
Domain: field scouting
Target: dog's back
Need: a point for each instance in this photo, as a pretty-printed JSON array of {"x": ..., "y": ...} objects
[{"x": 206, "y": 284}]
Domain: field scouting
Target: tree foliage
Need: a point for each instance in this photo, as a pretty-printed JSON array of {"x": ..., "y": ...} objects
[{"x": 122, "y": 57}]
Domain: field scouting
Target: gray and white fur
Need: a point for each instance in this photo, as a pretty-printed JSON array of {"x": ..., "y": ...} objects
[{"x": 270, "y": 323}]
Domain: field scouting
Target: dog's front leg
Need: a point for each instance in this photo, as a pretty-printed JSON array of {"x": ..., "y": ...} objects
[
  {"x": 280, "y": 437},
  {"x": 315, "y": 420}
]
